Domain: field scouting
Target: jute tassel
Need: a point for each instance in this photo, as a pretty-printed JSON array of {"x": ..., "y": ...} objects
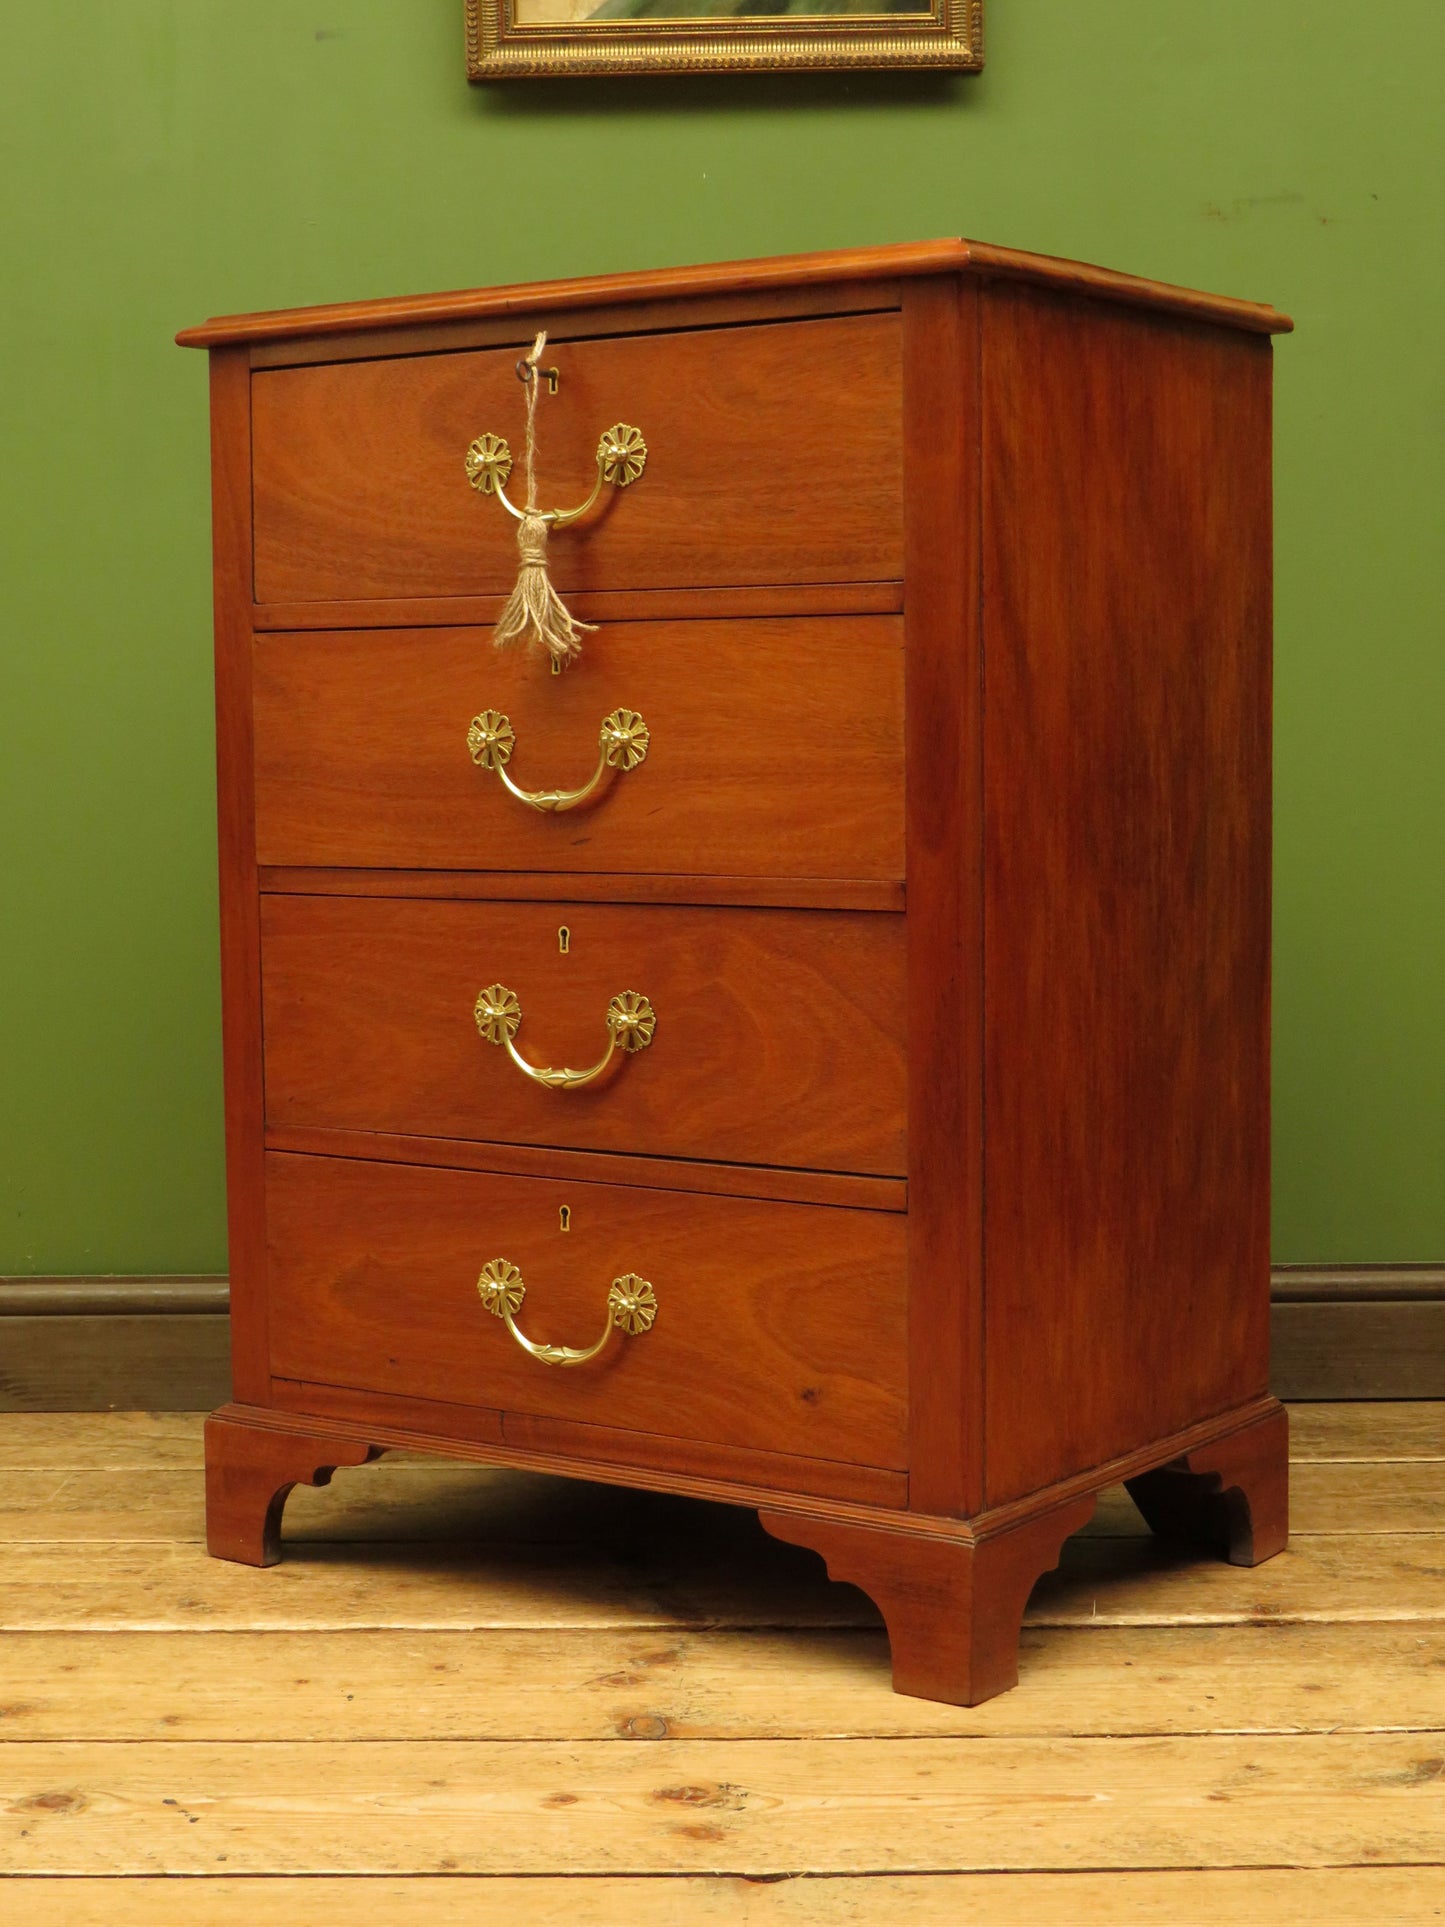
[{"x": 534, "y": 609}]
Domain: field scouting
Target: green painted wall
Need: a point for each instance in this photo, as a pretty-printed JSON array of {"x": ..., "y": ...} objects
[{"x": 169, "y": 159}]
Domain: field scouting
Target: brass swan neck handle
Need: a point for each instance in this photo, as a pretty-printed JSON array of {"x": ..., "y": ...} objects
[
  {"x": 621, "y": 458},
  {"x": 630, "y": 1022},
  {"x": 622, "y": 743},
  {"x": 631, "y": 1309}
]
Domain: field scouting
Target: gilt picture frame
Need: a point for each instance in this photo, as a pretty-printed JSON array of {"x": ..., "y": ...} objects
[{"x": 522, "y": 39}]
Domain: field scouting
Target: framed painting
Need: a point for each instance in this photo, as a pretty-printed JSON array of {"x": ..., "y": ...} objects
[{"x": 515, "y": 39}]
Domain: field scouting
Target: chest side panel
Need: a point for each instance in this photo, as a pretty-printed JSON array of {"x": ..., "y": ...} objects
[{"x": 1127, "y": 784}]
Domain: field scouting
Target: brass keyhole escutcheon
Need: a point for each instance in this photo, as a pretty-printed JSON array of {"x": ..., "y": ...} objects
[
  {"x": 564, "y": 1217},
  {"x": 564, "y": 939}
]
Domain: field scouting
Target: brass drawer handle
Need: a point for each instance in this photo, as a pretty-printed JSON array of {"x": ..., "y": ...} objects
[
  {"x": 630, "y": 1022},
  {"x": 631, "y": 1308},
  {"x": 534, "y": 611},
  {"x": 622, "y": 743},
  {"x": 621, "y": 458}
]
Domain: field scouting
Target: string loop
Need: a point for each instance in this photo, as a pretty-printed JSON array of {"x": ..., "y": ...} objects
[{"x": 534, "y": 611}]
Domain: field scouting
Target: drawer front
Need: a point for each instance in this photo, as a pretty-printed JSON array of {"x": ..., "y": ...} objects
[
  {"x": 775, "y": 748},
  {"x": 778, "y": 1035},
  {"x": 773, "y": 456},
  {"x": 778, "y": 1326}
]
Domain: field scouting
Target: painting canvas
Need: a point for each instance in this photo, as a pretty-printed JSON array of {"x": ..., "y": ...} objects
[{"x": 521, "y": 38}]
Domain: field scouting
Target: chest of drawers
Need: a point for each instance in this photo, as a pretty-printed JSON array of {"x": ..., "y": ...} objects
[{"x": 912, "y": 1184}]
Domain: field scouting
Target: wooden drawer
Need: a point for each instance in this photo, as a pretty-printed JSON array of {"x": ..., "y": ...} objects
[
  {"x": 778, "y": 1326},
  {"x": 775, "y": 749},
  {"x": 779, "y": 1034},
  {"x": 774, "y": 456}
]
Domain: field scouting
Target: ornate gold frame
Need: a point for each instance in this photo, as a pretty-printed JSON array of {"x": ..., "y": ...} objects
[{"x": 949, "y": 36}]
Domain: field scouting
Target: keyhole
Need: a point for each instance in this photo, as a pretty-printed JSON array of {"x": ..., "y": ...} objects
[
  {"x": 526, "y": 372},
  {"x": 564, "y": 1217},
  {"x": 564, "y": 939}
]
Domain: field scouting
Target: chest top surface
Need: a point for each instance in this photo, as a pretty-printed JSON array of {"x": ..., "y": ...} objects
[{"x": 777, "y": 273}]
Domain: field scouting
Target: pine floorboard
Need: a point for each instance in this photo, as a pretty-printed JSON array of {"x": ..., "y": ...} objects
[
  {"x": 1335, "y": 1897},
  {"x": 402, "y": 1502},
  {"x": 473, "y": 1696}
]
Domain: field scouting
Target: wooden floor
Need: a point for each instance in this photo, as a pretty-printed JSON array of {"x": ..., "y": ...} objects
[{"x": 488, "y": 1697}]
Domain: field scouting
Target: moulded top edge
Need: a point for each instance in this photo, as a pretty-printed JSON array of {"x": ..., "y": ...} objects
[{"x": 901, "y": 261}]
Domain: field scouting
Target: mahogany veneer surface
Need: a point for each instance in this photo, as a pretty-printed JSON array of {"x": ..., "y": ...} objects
[
  {"x": 945, "y": 598},
  {"x": 776, "y": 748},
  {"x": 1127, "y": 905},
  {"x": 776, "y": 1327},
  {"x": 779, "y": 1035},
  {"x": 774, "y": 455}
]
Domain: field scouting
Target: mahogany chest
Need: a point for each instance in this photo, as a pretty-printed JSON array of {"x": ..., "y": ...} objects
[{"x": 812, "y": 1051}]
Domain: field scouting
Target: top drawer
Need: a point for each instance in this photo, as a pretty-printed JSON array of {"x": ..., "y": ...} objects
[{"x": 774, "y": 456}]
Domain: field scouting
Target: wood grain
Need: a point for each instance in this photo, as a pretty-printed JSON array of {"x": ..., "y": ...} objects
[
  {"x": 642, "y": 1684},
  {"x": 596, "y": 605},
  {"x": 945, "y": 827},
  {"x": 404, "y": 1498},
  {"x": 1230, "y": 1496},
  {"x": 1127, "y": 896},
  {"x": 236, "y": 835},
  {"x": 779, "y": 1034},
  {"x": 119, "y": 1294},
  {"x": 1382, "y": 1431},
  {"x": 546, "y": 886},
  {"x": 399, "y": 1500},
  {"x": 1082, "y": 278},
  {"x": 490, "y": 1588},
  {"x": 195, "y": 1374},
  {"x": 88, "y": 1441},
  {"x": 1386, "y": 1579},
  {"x": 713, "y": 1728},
  {"x": 776, "y": 749},
  {"x": 374, "y": 1273},
  {"x": 952, "y": 1610},
  {"x": 746, "y": 465},
  {"x": 601, "y": 1167},
  {"x": 739, "y": 306},
  {"x": 727, "y": 279},
  {"x": 250, "y": 1475},
  {"x": 1376, "y": 1434},
  {"x": 831, "y": 271},
  {"x": 1358, "y": 1284},
  {"x": 1343, "y": 1350},
  {"x": 1330, "y": 1497},
  {"x": 731, "y": 1473},
  {"x": 1068, "y": 470},
  {"x": 99, "y": 1361},
  {"x": 1140, "y": 1582},
  {"x": 609, "y": 1454},
  {"x": 742, "y": 1806},
  {"x": 1202, "y": 1897}
]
